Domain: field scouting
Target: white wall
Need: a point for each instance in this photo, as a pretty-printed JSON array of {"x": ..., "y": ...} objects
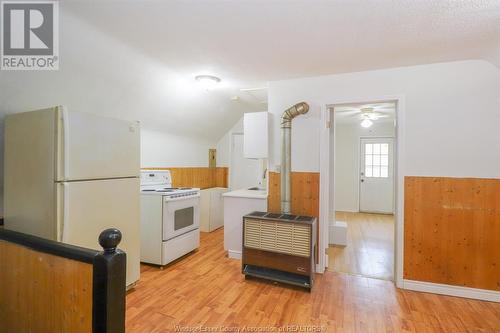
[
  {"x": 161, "y": 149},
  {"x": 224, "y": 148},
  {"x": 224, "y": 144},
  {"x": 347, "y": 141},
  {"x": 452, "y": 113},
  {"x": 243, "y": 172}
]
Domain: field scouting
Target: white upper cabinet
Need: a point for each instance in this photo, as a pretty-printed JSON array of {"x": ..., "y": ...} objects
[{"x": 256, "y": 133}]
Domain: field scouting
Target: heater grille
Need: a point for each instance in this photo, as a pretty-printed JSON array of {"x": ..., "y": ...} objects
[{"x": 281, "y": 237}]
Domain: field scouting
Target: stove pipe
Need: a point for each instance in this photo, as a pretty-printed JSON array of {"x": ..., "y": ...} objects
[{"x": 286, "y": 151}]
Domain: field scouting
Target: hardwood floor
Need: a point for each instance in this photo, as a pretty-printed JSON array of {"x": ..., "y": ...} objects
[
  {"x": 370, "y": 246},
  {"x": 206, "y": 288}
]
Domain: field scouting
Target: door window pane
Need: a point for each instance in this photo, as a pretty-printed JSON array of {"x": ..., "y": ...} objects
[
  {"x": 384, "y": 171},
  {"x": 368, "y": 171},
  {"x": 384, "y": 148},
  {"x": 384, "y": 160},
  {"x": 376, "y": 160}
]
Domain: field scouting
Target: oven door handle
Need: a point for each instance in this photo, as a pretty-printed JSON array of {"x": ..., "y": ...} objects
[{"x": 169, "y": 199}]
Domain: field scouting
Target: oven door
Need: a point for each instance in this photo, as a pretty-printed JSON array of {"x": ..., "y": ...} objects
[{"x": 180, "y": 215}]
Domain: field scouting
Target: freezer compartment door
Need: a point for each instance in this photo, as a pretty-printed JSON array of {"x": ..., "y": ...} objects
[
  {"x": 96, "y": 147},
  {"x": 89, "y": 207},
  {"x": 29, "y": 190}
]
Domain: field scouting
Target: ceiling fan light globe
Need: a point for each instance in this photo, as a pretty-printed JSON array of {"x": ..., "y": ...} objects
[{"x": 366, "y": 123}]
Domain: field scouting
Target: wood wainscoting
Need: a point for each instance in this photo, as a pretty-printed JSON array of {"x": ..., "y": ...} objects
[
  {"x": 48, "y": 286},
  {"x": 43, "y": 292},
  {"x": 452, "y": 231},
  {"x": 304, "y": 189},
  {"x": 202, "y": 177},
  {"x": 305, "y": 195}
]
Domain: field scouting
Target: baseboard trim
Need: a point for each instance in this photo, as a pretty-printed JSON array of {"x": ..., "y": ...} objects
[
  {"x": 234, "y": 254},
  {"x": 445, "y": 289},
  {"x": 345, "y": 211}
]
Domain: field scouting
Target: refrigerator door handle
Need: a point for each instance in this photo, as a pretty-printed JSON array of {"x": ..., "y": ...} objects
[
  {"x": 65, "y": 140},
  {"x": 62, "y": 163},
  {"x": 62, "y": 211}
]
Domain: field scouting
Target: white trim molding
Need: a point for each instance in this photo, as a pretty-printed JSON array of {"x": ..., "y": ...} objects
[
  {"x": 234, "y": 254},
  {"x": 449, "y": 290},
  {"x": 324, "y": 188},
  {"x": 325, "y": 160}
]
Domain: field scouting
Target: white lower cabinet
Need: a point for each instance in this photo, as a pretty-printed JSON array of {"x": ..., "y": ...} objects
[
  {"x": 211, "y": 209},
  {"x": 235, "y": 207}
]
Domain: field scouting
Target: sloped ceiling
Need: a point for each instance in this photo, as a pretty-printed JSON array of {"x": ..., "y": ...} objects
[{"x": 136, "y": 59}]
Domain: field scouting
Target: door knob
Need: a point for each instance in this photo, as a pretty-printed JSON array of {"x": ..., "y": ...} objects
[{"x": 362, "y": 180}]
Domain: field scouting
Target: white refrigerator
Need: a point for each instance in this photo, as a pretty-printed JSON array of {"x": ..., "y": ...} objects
[{"x": 70, "y": 175}]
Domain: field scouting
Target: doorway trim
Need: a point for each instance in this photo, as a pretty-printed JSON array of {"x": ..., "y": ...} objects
[
  {"x": 327, "y": 121},
  {"x": 230, "y": 155}
]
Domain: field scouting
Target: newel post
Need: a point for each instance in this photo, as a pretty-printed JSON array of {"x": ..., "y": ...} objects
[{"x": 109, "y": 285}]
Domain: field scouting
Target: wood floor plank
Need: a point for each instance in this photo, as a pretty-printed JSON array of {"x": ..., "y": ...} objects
[
  {"x": 207, "y": 288},
  {"x": 370, "y": 246}
]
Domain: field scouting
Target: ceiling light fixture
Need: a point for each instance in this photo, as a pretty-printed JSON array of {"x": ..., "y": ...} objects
[
  {"x": 207, "y": 81},
  {"x": 366, "y": 123}
]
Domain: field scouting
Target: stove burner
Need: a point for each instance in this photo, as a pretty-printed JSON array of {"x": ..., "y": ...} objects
[
  {"x": 288, "y": 217},
  {"x": 148, "y": 190}
]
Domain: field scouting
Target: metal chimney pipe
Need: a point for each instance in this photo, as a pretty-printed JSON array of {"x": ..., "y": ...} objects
[{"x": 286, "y": 151}]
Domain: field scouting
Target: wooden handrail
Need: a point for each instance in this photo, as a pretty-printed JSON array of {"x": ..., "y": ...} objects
[{"x": 108, "y": 275}]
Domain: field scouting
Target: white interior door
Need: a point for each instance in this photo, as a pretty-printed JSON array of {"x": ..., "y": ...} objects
[
  {"x": 245, "y": 172},
  {"x": 89, "y": 207},
  {"x": 376, "y": 189},
  {"x": 96, "y": 147}
]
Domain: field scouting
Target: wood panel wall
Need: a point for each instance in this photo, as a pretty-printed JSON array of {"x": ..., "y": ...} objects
[
  {"x": 305, "y": 196},
  {"x": 35, "y": 297},
  {"x": 202, "y": 177},
  {"x": 452, "y": 231},
  {"x": 305, "y": 193}
]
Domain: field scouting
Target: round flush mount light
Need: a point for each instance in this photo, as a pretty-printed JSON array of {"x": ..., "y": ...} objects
[
  {"x": 366, "y": 123},
  {"x": 207, "y": 81}
]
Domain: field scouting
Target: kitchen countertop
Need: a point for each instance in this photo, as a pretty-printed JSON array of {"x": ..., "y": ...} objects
[{"x": 245, "y": 193}]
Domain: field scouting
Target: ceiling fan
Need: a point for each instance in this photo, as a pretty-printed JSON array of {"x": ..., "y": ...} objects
[
  {"x": 367, "y": 113},
  {"x": 370, "y": 113},
  {"x": 364, "y": 113}
]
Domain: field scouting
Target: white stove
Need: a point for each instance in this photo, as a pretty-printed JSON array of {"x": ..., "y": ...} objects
[{"x": 170, "y": 218}]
